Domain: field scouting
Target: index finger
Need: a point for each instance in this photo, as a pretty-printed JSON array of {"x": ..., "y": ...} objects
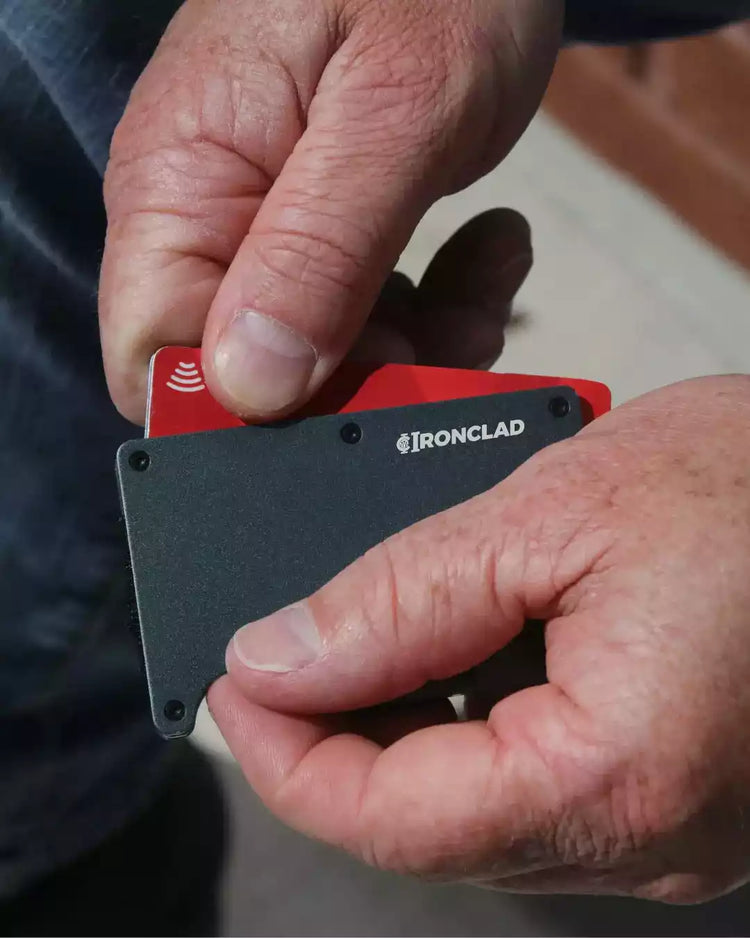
[{"x": 462, "y": 801}]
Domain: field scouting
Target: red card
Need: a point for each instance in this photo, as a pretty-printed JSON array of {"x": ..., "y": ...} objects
[{"x": 180, "y": 402}]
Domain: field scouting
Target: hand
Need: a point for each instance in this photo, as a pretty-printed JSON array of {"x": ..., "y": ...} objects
[
  {"x": 272, "y": 163},
  {"x": 628, "y": 771}
]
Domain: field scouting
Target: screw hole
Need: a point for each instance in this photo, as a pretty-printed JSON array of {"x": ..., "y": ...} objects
[
  {"x": 559, "y": 407},
  {"x": 351, "y": 433},
  {"x": 174, "y": 710},
  {"x": 139, "y": 461}
]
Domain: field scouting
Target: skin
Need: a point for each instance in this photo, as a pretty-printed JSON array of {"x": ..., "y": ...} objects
[
  {"x": 276, "y": 156},
  {"x": 627, "y": 769},
  {"x": 272, "y": 163}
]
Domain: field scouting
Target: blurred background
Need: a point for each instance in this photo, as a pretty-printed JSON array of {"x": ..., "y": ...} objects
[{"x": 636, "y": 181}]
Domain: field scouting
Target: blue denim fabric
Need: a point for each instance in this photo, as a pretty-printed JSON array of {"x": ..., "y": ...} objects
[
  {"x": 628, "y": 20},
  {"x": 78, "y": 755}
]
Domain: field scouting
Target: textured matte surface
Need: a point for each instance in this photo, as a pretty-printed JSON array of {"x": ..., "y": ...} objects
[{"x": 226, "y": 527}]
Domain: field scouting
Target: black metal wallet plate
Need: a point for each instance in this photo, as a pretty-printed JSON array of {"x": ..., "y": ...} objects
[{"x": 227, "y": 526}]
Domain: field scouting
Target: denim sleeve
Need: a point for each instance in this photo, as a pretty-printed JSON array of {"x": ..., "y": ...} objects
[
  {"x": 629, "y": 20},
  {"x": 78, "y": 755}
]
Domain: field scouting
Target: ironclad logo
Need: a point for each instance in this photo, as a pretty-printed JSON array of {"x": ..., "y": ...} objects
[
  {"x": 403, "y": 443},
  {"x": 417, "y": 440}
]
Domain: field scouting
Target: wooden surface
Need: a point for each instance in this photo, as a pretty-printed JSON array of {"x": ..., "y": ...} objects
[{"x": 676, "y": 117}]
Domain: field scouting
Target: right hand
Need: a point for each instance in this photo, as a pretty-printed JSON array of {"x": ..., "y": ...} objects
[
  {"x": 625, "y": 769},
  {"x": 272, "y": 163}
]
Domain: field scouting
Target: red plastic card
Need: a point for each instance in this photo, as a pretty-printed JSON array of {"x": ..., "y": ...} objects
[{"x": 180, "y": 402}]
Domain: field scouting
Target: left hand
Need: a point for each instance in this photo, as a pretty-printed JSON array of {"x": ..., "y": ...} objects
[
  {"x": 272, "y": 163},
  {"x": 628, "y": 771}
]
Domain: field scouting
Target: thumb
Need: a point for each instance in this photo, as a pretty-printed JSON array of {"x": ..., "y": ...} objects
[
  {"x": 427, "y": 604},
  {"x": 397, "y": 119},
  {"x": 303, "y": 281},
  {"x": 472, "y": 801}
]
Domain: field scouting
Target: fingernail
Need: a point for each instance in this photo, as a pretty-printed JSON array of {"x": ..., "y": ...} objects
[
  {"x": 512, "y": 276},
  {"x": 263, "y": 364},
  {"x": 286, "y": 641}
]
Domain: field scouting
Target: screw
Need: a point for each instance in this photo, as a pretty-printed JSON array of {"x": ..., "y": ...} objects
[
  {"x": 559, "y": 407},
  {"x": 139, "y": 460},
  {"x": 351, "y": 433},
  {"x": 174, "y": 710}
]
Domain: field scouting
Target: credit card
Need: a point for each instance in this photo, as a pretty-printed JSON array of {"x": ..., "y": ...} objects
[{"x": 179, "y": 400}]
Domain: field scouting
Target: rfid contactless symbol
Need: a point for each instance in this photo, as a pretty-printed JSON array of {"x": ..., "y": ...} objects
[{"x": 186, "y": 378}]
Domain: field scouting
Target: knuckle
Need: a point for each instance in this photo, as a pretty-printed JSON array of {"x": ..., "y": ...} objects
[
  {"x": 405, "y": 851},
  {"x": 557, "y": 512},
  {"x": 198, "y": 136},
  {"x": 392, "y": 71},
  {"x": 581, "y": 841},
  {"x": 392, "y": 74},
  {"x": 587, "y": 835},
  {"x": 597, "y": 829},
  {"x": 639, "y": 825},
  {"x": 384, "y": 576},
  {"x": 409, "y": 597},
  {"x": 602, "y": 813},
  {"x": 385, "y": 855},
  {"x": 430, "y": 71},
  {"x": 146, "y": 174}
]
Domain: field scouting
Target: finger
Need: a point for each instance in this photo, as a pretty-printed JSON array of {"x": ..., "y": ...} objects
[
  {"x": 161, "y": 268},
  {"x": 429, "y": 603},
  {"x": 275, "y": 749},
  {"x": 385, "y": 626},
  {"x": 466, "y": 800},
  {"x": 466, "y": 295},
  {"x": 302, "y": 283},
  {"x": 191, "y": 162}
]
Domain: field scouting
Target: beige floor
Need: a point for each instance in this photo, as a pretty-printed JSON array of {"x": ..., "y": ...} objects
[{"x": 620, "y": 292}]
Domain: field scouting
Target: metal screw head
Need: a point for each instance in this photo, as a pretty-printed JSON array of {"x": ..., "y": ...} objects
[
  {"x": 351, "y": 433},
  {"x": 559, "y": 407},
  {"x": 174, "y": 710},
  {"x": 139, "y": 461}
]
